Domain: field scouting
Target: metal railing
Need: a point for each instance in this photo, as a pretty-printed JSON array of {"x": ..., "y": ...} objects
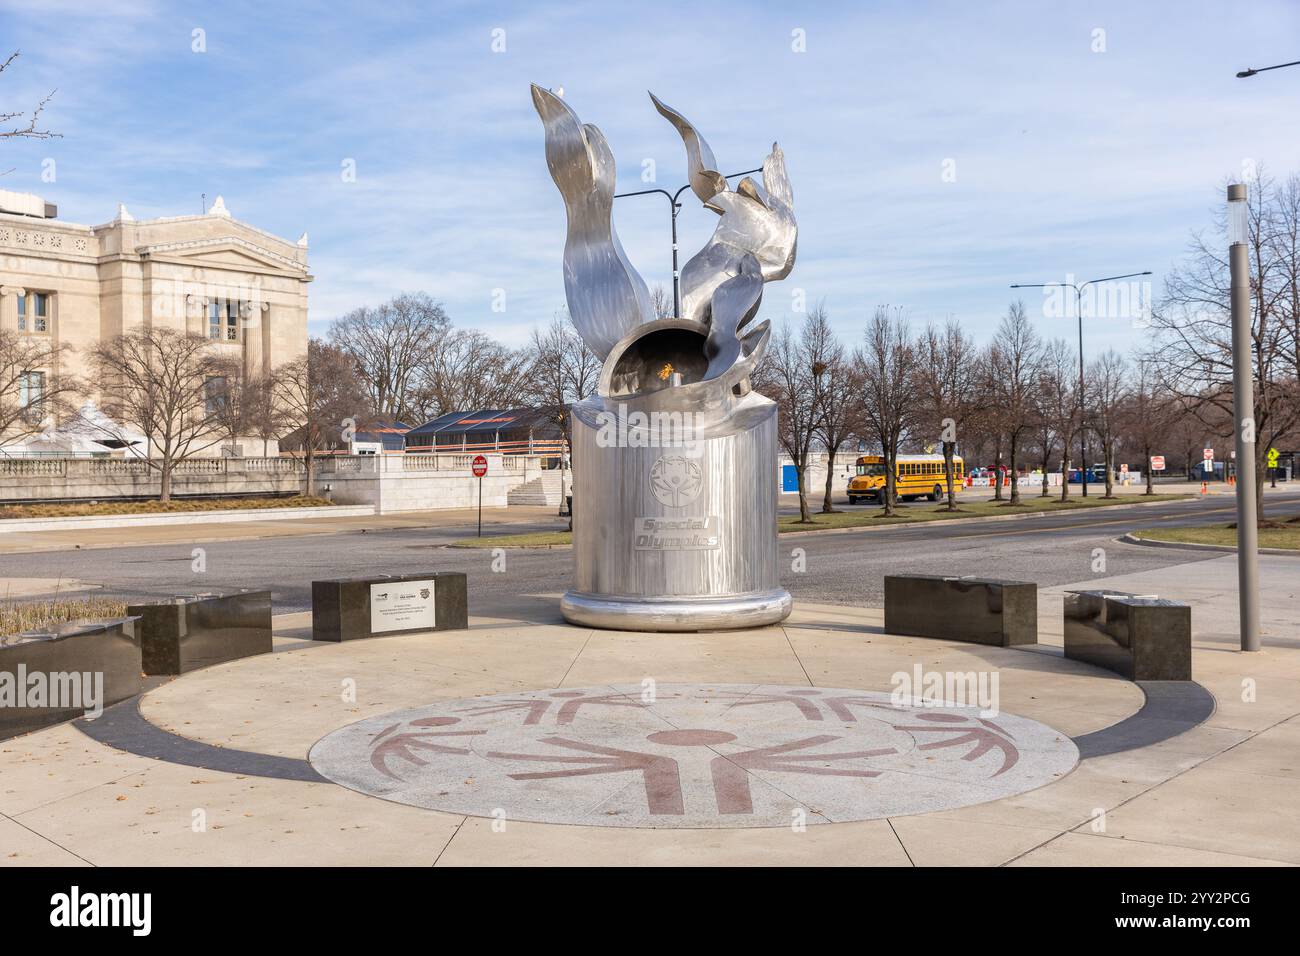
[{"x": 536, "y": 447}]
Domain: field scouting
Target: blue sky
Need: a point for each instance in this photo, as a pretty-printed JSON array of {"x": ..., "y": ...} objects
[{"x": 1067, "y": 161}]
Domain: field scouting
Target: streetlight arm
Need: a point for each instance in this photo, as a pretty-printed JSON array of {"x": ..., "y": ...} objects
[
  {"x": 645, "y": 192},
  {"x": 673, "y": 198},
  {"x": 1264, "y": 69},
  {"x": 673, "y": 207},
  {"x": 1130, "y": 275}
]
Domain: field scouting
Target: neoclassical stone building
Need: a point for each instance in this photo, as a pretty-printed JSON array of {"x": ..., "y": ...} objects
[{"x": 208, "y": 274}]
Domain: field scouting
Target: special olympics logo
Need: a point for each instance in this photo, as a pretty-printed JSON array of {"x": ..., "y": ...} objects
[{"x": 676, "y": 480}]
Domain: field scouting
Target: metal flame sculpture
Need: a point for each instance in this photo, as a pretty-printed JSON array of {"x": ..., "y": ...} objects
[{"x": 703, "y": 556}]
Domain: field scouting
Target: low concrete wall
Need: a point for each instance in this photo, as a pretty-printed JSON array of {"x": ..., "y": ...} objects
[
  {"x": 390, "y": 483},
  {"x": 394, "y": 483},
  {"x": 14, "y": 525}
]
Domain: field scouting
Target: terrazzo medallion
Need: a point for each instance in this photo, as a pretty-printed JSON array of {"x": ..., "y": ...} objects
[{"x": 692, "y": 755}]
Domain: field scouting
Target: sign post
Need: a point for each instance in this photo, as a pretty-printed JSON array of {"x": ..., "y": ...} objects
[{"x": 480, "y": 469}]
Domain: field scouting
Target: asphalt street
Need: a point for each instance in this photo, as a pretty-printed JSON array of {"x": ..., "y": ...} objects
[{"x": 837, "y": 568}]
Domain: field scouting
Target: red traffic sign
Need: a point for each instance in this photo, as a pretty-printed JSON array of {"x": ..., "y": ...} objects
[
  {"x": 1208, "y": 453},
  {"x": 480, "y": 466},
  {"x": 1157, "y": 462}
]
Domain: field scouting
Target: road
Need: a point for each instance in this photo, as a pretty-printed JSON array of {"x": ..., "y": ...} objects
[{"x": 840, "y": 568}]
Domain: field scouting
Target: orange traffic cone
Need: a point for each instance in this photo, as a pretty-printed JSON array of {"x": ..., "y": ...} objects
[{"x": 1202, "y": 487}]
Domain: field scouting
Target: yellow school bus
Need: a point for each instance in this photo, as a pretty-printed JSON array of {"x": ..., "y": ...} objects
[{"x": 917, "y": 475}]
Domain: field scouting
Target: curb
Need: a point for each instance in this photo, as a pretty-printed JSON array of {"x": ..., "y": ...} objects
[
  {"x": 1130, "y": 538},
  {"x": 985, "y": 519},
  {"x": 515, "y": 547}
]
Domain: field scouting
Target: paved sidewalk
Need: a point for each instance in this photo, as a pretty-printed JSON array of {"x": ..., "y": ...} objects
[{"x": 1154, "y": 784}]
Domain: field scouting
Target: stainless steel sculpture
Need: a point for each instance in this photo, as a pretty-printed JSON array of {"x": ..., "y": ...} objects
[{"x": 674, "y": 459}]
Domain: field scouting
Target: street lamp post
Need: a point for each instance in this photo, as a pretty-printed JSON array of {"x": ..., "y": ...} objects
[
  {"x": 675, "y": 208},
  {"x": 1078, "y": 311},
  {"x": 1243, "y": 403}
]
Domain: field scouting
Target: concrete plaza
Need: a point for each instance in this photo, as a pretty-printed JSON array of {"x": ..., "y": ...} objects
[{"x": 213, "y": 767}]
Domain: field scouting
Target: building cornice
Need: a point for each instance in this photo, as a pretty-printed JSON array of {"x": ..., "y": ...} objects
[
  {"x": 219, "y": 242},
  {"x": 202, "y": 217}
]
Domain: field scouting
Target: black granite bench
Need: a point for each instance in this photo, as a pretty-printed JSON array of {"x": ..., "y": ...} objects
[
  {"x": 193, "y": 631},
  {"x": 354, "y": 608},
  {"x": 1139, "y": 636},
  {"x": 57, "y": 674},
  {"x": 978, "y": 610}
]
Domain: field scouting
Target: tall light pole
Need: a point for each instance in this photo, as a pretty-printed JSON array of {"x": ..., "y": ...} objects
[
  {"x": 1078, "y": 311},
  {"x": 675, "y": 207},
  {"x": 1243, "y": 404}
]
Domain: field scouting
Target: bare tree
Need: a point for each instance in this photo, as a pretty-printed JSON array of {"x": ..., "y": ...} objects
[
  {"x": 1147, "y": 417},
  {"x": 946, "y": 380},
  {"x": 156, "y": 380},
  {"x": 1187, "y": 432},
  {"x": 661, "y": 300},
  {"x": 227, "y": 399},
  {"x": 791, "y": 375},
  {"x": 1192, "y": 323},
  {"x": 561, "y": 371},
  {"x": 242, "y": 405},
  {"x": 1060, "y": 404},
  {"x": 23, "y": 124},
  {"x": 33, "y": 392},
  {"x": 266, "y": 417},
  {"x": 839, "y": 391},
  {"x": 391, "y": 344},
  {"x": 1284, "y": 250},
  {"x": 319, "y": 393},
  {"x": 1108, "y": 379},
  {"x": 1014, "y": 363},
  {"x": 888, "y": 364},
  {"x": 467, "y": 369}
]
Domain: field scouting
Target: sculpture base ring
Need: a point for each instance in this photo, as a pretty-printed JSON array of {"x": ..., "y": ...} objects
[{"x": 729, "y": 613}]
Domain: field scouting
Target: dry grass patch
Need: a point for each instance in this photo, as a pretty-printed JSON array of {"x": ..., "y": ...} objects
[
  {"x": 16, "y": 617},
  {"x": 1279, "y": 534}
]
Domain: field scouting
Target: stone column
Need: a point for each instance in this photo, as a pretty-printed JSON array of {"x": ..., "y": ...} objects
[
  {"x": 9, "y": 307},
  {"x": 254, "y": 332}
]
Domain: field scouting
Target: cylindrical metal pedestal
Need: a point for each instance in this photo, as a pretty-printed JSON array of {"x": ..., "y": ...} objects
[{"x": 673, "y": 537}]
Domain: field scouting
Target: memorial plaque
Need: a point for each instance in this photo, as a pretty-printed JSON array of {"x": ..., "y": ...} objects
[
  {"x": 401, "y": 606},
  {"x": 350, "y": 609}
]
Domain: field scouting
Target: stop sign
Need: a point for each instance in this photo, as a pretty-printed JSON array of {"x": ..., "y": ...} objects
[
  {"x": 1157, "y": 462},
  {"x": 480, "y": 466}
]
